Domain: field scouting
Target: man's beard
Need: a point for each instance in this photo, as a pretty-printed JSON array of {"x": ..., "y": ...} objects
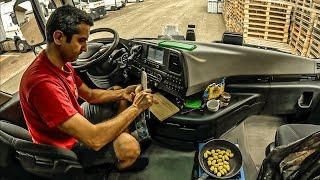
[{"x": 70, "y": 58}]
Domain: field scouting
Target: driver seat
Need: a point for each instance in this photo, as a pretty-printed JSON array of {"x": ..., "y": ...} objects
[{"x": 20, "y": 158}]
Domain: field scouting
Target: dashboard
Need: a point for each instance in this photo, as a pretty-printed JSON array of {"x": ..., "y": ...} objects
[{"x": 183, "y": 73}]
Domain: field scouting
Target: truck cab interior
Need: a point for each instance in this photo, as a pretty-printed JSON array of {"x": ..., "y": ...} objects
[{"x": 275, "y": 98}]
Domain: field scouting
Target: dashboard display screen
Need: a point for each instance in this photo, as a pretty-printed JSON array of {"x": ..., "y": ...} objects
[{"x": 156, "y": 55}]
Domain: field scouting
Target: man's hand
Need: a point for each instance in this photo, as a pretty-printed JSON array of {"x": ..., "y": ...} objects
[
  {"x": 115, "y": 88},
  {"x": 143, "y": 99},
  {"x": 129, "y": 93}
]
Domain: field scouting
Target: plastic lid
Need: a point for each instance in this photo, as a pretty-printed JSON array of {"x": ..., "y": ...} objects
[{"x": 193, "y": 103}]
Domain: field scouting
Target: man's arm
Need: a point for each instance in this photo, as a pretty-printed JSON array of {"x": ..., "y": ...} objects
[
  {"x": 98, "y": 96},
  {"x": 96, "y": 136}
]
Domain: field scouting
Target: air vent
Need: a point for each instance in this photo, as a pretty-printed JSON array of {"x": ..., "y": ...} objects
[
  {"x": 318, "y": 65},
  {"x": 174, "y": 63}
]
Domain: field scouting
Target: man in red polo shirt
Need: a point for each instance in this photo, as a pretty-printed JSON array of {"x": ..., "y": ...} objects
[{"x": 50, "y": 88}]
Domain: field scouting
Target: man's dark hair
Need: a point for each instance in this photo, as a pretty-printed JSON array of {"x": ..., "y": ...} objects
[{"x": 66, "y": 19}]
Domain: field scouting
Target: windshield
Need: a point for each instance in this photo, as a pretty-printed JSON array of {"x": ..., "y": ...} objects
[
  {"x": 148, "y": 19},
  {"x": 277, "y": 25}
]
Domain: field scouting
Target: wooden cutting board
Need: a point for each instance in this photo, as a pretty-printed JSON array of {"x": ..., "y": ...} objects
[{"x": 164, "y": 109}]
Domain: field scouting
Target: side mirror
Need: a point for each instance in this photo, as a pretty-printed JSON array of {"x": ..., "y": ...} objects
[
  {"x": 26, "y": 20},
  {"x": 14, "y": 18}
]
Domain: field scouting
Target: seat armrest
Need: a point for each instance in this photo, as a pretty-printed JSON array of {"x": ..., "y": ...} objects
[
  {"x": 44, "y": 150},
  {"x": 14, "y": 130}
]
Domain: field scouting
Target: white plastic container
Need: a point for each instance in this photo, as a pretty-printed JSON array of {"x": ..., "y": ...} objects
[
  {"x": 212, "y": 6},
  {"x": 220, "y": 7}
]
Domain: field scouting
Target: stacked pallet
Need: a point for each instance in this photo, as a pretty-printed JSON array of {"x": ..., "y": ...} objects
[
  {"x": 266, "y": 19},
  {"x": 291, "y": 23},
  {"x": 290, "y": 1},
  {"x": 238, "y": 24},
  {"x": 304, "y": 3},
  {"x": 227, "y": 13},
  {"x": 302, "y": 26},
  {"x": 314, "y": 48},
  {"x": 233, "y": 15}
]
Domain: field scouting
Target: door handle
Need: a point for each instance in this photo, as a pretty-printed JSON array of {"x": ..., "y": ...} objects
[{"x": 305, "y": 100}]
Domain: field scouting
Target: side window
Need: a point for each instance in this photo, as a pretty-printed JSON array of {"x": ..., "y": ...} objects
[
  {"x": 18, "y": 32},
  {"x": 15, "y": 52}
]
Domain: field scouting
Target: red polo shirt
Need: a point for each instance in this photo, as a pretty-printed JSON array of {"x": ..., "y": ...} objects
[{"x": 48, "y": 97}]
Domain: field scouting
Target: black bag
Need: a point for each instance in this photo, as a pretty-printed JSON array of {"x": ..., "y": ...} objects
[{"x": 297, "y": 161}]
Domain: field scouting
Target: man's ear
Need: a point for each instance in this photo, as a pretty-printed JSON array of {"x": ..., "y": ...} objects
[{"x": 58, "y": 37}]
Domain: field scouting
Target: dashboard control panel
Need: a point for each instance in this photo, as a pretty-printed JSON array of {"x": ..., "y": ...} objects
[{"x": 163, "y": 66}]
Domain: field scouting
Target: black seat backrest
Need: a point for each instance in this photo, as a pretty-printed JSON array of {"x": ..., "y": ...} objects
[
  {"x": 38, "y": 159},
  {"x": 6, "y": 149},
  {"x": 11, "y": 111}
]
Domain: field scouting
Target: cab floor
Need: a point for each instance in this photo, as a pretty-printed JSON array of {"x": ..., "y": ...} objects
[
  {"x": 253, "y": 135},
  {"x": 261, "y": 132}
]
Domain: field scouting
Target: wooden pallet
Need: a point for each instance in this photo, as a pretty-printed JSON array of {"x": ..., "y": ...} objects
[
  {"x": 291, "y": 1},
  {"x": 273, "y": 9},
  {"x": 271, "y": 44},
  {"x": 316, "y": 6},
  {"x": 268, "y": 20},
  {"x": 304, "y": 3},
  {"x": 301, "y": 29},
  {"x": 307, "y": 14},
  {"x": 227, "y": 13},
  {"x": 267, "y": 26},
  {"x": 314, "y": 49},
  {"x": 265, "y": 36},
  {"x": 234, "y": 15},
  {"x": 269, "y": 2}
]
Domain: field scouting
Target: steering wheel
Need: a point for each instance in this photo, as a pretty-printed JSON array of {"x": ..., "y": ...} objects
[{"x": 97, "y": 52}]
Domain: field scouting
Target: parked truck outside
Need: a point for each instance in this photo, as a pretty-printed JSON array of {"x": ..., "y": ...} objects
[
  {"x": 11, "y": 38},
  {"x": 96, "y": 8},
  {"x": 112, "y": 5}
]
